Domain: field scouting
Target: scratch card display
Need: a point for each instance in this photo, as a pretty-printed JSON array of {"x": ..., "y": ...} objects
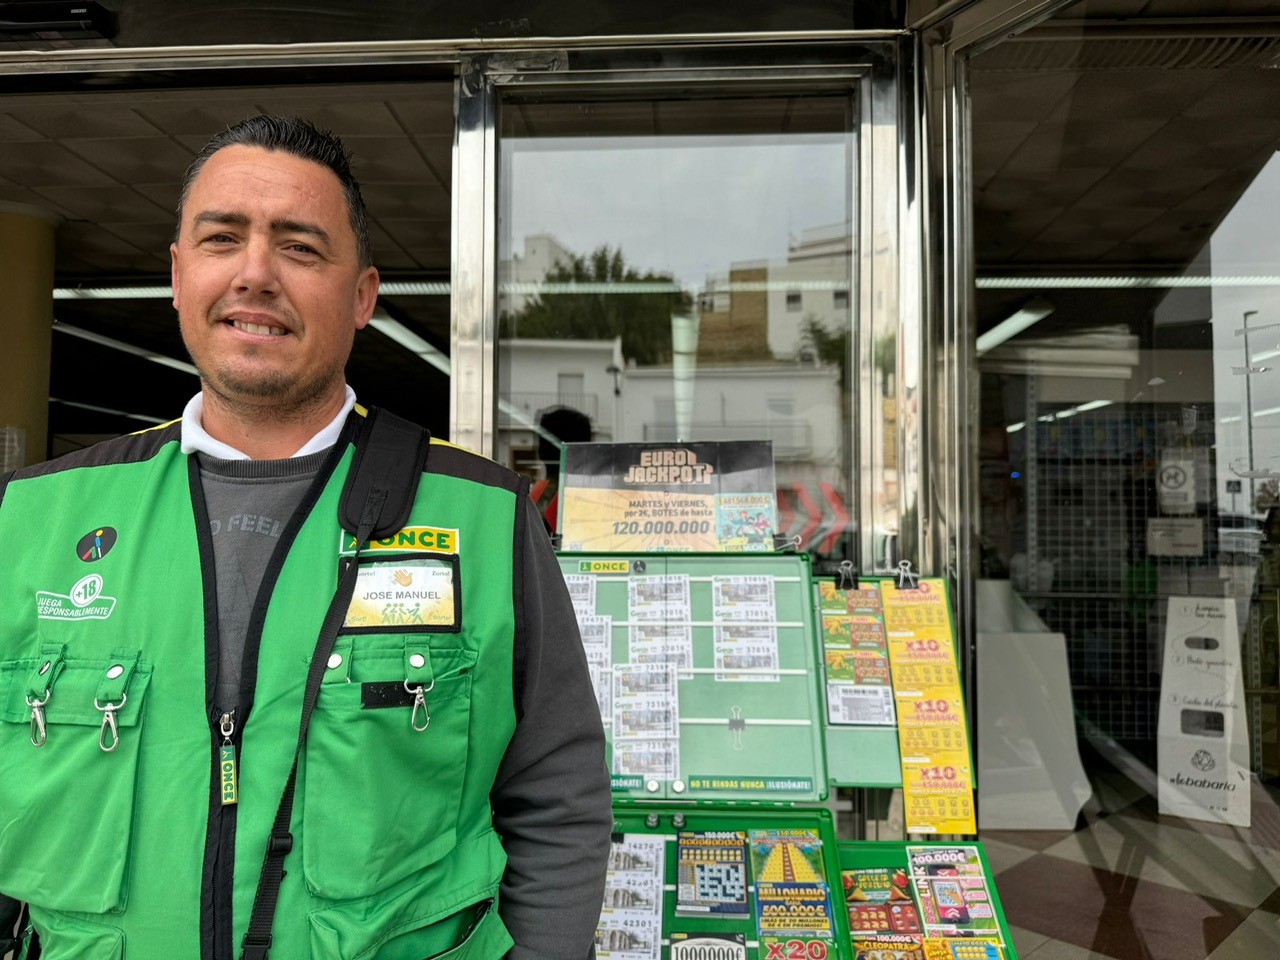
[
  {"x": 708, "y": 946},
  {"x": 951, "y": 888},
  {"x": 879, "y": 901},
  {"x": 793, "y": 901},
  {"x": 856, "y": 657},
  {"x": 630, "y": 925},
  {"x": 901, "y": 947},
  {"x": 888, "y": 947},
  {"x": 966, "y": 948},
  {"x": 711, "y": 874}
]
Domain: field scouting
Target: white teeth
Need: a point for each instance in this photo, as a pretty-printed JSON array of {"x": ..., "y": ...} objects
[{"x": 258, "y": 328}]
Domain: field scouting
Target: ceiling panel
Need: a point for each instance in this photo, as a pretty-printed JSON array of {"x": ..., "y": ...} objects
[
  {"x": 1114, "y": 96},
  {"x": 1031, "y": 97},
  {"x": 147, "y": 237},
  {"x": 11, "y": 128},
  {"x": 430, "y": 115},
  {"x": 351, "y": 116},
  {"x": 44, "y": 163},
  {"x": 117, "y": 158},
  {"x": 135, "y": 158},
  {"x": 115, "y": 203},
  {"x": 83, "y": 117},
  {"x": 30, "y": 198},
  {"x": 394, "y": 159}
]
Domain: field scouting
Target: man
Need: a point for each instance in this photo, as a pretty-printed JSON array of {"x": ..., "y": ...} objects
[{"x": 159, "y": 613}]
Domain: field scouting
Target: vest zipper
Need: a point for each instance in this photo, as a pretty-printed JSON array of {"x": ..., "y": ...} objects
[
  {"x": 217, "y": 885},
  {"x": 226, "y": 736}
]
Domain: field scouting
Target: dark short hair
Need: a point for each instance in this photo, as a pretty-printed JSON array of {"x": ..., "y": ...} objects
[{"x": 299, "y": 138}]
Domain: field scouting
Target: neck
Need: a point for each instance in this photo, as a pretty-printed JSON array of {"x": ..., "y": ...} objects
[{"x": 266, "y": 432}]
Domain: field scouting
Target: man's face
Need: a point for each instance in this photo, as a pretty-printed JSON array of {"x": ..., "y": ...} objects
[{"x": 267, "y": 281}]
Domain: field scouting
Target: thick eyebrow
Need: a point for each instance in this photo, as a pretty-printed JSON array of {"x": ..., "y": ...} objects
[{"x": 277, "y": 226}]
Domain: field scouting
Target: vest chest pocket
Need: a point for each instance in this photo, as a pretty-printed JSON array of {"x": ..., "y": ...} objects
[
  {"x": 384, "y": 765},
  {"x": 68, "y": 803}
]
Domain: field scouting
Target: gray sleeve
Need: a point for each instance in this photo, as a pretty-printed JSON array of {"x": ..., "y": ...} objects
[{"x": 551, "y": 799}]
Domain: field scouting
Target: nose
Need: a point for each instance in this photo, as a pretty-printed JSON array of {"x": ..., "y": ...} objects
[{"x": 256, "y": 275}]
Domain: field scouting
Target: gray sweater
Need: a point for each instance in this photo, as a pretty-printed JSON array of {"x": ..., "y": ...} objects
[{"x": 551, "y": 800}]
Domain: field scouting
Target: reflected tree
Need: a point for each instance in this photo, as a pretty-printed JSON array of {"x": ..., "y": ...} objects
[{"x": 642, "y": 318}]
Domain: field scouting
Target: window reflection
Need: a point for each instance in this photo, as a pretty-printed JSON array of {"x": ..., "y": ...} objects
[
  {"x": 680, "y": 269},
  {"x": 1128, "y": 343}
]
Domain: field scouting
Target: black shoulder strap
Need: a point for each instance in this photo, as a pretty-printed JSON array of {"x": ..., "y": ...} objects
[
  {"x": 390, "y": 456},
  {"x": 12, "y": 925}
]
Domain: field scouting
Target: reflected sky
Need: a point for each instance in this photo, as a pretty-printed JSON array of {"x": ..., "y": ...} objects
[{"x": 691, "y": 206}]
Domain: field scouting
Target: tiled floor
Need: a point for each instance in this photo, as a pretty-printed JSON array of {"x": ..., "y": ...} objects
[{"x": 1129, "y": 884}]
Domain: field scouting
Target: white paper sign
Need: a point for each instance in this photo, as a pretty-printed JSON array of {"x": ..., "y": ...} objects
[
  {"x": 1176, "y": 482},
  {"x": 1203, "y": 737},
  {"x": 1175, "y": 536}
]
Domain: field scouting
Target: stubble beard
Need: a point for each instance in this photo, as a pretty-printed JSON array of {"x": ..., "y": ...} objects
[{"x": 271, "y": 397}]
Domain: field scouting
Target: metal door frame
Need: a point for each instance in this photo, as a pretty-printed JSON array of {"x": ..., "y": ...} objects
[
  {"x": 877, "y": 71},
  {"x": 946, "y": 38}
]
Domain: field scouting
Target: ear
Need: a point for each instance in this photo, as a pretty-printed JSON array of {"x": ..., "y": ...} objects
[
  {"x": 173, "y": 272},
  {"x": 366, "y": 296}
]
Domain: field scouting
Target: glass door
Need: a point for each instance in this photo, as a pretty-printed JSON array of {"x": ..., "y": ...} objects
[{"x": 676, "y": 255}]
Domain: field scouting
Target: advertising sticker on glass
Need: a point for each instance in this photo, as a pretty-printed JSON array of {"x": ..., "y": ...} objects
[{"x": 668, "y": 497}]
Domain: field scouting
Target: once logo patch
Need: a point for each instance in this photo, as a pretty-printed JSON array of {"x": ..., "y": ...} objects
[
  {"x": 84, "y": 601},
  {"x": 96, "y": 544},
  {"x": 408, "y": 540}
]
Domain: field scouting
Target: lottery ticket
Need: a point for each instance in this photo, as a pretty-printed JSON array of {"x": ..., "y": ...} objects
[
  {"x": 850, "y": 704},
  {"x": 711, "y": 874},
  {"x": 648, "y": 719},
  {"x": 630, "y": 925},
  {"x": 661, "y": 643},
  {"x": 746, "y": 652},
  {"x": 582, "y": 591},
  {"x": 602, "y": 684},
  {"x": 596, "y": 630},
  {"x": 659, "y": 759},
  {"x": 661, "y": 598},
  {"x": 644, "y": 679},
  {"x": 743, "y": 599},
  {"x": 951, "y": 888},
  {"x": 708, "y": 946}
]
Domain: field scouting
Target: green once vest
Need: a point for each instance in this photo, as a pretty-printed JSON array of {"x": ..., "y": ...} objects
[{"x": 131, "y": 853}]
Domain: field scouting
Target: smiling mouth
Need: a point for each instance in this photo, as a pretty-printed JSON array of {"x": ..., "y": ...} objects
[{"x": 261, "y": 329}]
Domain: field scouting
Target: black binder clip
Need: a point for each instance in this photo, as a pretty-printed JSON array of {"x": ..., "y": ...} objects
[
  {"x": 557, "y": 541},
  {"x": 782, "y": 543},
  {"x": 908, "y": 579},
  {"x": 848, "y": 580}
]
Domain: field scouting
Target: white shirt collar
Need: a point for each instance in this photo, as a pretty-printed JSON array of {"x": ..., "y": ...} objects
[{"x": 196, "y": 440}]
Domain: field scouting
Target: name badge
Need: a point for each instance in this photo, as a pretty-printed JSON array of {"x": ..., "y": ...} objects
[{"x": 406, "y": 593}]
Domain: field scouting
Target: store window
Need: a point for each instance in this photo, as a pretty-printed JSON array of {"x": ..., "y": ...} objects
[
  {"x": 659, "y": 249},
  {"x": 107, "y": 166},
  {"x": 1126, "y": 186}
]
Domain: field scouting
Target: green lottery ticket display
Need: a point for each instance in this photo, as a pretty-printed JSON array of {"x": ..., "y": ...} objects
[
  {"x": 859, "y": 724},
  {"x": 922, "y": 901},
  {"x": 754, "y": 883},
  {"x": 706, "y": 674},
  {"x": 700, "y": 884}
]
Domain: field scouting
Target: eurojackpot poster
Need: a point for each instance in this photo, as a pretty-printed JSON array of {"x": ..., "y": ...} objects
[{"x": 668, "y": 497}]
